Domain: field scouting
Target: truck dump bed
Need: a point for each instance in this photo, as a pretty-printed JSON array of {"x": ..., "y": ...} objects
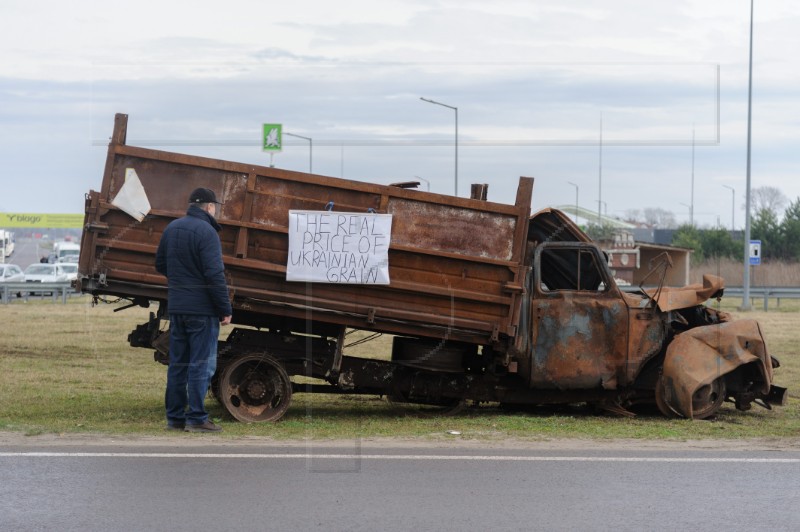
[{"x": 456, "y": 265}]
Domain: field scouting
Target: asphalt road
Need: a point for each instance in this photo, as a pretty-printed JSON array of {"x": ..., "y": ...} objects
[
  {"x": 214, "y": 486},
  {"x": 26, "y": 252}
]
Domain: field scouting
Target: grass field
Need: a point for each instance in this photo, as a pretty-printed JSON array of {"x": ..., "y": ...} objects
[{"x": 68, "y": 369}]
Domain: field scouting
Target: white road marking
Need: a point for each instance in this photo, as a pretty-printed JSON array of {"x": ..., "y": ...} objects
[{"x": 323, "y": 456}]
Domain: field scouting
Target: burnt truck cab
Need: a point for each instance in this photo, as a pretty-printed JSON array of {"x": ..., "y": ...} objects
[{"x": 584, "y": 332}]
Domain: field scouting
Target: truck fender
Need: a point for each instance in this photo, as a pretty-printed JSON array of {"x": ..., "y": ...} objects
[{"x": 699, "y": 356}]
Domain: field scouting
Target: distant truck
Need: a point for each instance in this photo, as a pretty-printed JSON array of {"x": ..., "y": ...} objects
[
  {"x": 7, "y": 243},
  {"x": 485, "y": 302},
  {"x": 65, "y": 251}
]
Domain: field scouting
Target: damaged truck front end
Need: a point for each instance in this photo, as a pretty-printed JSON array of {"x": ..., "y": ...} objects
[
  {"x": 711, "y": 358},
  {"x": 661, "y": 345}
]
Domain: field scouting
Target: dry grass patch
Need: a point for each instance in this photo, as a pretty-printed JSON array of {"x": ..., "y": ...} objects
[
  {"x": 770, "y": 273},
  {"x": 68, "y": 368}
]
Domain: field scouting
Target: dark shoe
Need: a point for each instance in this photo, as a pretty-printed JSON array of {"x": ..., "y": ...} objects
[
  {"x": 208, "y": 426},
  {"x": 175, "y": 427}
]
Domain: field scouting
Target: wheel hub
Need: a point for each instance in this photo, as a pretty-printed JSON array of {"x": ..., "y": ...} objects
[{"x": 257, "y": 390}]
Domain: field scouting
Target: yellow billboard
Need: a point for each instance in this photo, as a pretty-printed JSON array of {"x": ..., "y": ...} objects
[{"x": 44, "y": 221}]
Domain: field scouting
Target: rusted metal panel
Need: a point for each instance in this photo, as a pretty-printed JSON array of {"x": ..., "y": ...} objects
[
  {"x": 550, "y": 225},
  {"x": 671, "y": 298},
  {"x": 453, "y": 261},
  {"x": 646, "y": 338},
  {"x": 432, "y": 227},
  {"x": 699, "y": 356},
  {"x": 580, "y": 341},
  {"x": 579, "y": 321}
]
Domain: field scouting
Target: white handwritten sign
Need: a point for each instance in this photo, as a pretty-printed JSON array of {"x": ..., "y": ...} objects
[{"x": 339, "y": 247}]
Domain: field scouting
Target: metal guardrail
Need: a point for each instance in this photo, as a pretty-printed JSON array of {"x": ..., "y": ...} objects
[
  {"x": 765, "y": 293},
  {"x": 10, "y": 291}
]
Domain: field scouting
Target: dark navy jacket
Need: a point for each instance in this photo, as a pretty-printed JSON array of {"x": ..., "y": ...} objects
[{"x": 190, "y": 256}]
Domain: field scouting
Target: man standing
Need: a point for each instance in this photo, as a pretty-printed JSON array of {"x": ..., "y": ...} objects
[{"x": 190, "y": 257}]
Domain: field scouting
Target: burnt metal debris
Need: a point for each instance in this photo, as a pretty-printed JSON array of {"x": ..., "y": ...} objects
[{"x": 486, "y": 302}]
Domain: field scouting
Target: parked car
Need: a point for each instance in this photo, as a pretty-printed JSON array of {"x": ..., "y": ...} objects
[
  {"x": 11, "y": 273},
  {"x": 44, "y": 273},
  {"x": 69, "y": 269}
]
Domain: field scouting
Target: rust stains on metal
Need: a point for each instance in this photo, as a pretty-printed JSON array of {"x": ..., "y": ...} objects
[
  {"x": 673, "y": 298},
  {"x": 493, "y": 305},
  {"x": 580, "y": 342},
  {"x": 698, "y": 360},
  {"x": 448, "y": 229}
]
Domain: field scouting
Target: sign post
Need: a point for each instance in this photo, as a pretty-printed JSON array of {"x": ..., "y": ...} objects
[
  {"x": 272, "y": 139},
  {"x": 755, "y": 252}
]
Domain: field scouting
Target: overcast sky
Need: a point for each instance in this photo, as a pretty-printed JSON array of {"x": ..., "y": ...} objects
[{"x": 536, "y": 84}]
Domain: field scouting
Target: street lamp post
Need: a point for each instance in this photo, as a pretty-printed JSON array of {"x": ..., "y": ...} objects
[
  {"x": 746, "y": 272},
  {"x": 456, "y": 143},
  {"x": 691, "y": 221},
  {"x": 600, "y": 173},
  {"x": 576, "y": 200},
  {"x": 310, "y": 148},
  {"x": 733, "y": 205},
  {"x": 600, "y": 216}
]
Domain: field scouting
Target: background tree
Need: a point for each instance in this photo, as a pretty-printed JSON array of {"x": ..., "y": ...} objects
[
  {"x": 717, "y": 243},
  {"x": 660, "y": 218},
  {"x": 790, "y": 231},
  {"x": 600, "y": 233},
  {"x": 633, "y": 216},
  {"x": 765, "y": 227},
  {"x": 767, "y": 198},
  {"x": 688, "y": 236}
]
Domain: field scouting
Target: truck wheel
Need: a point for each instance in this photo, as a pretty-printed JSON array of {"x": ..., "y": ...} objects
[
  {"x": 255, "y": 388},
  {"x": 214, "y": 387},
  {"x": 706, "y": 401}
]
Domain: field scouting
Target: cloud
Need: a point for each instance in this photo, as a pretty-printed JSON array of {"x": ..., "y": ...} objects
[{"x": 531, "y": 82}]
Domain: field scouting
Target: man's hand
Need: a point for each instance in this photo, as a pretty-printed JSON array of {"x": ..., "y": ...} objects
[{"x": 226, "y": 320}]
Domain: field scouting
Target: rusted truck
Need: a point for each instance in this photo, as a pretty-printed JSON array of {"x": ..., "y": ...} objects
[{"x": 485, "y": 303}]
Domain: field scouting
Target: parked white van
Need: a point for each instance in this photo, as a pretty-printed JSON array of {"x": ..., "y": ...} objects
[{"x": 66, "y": 251}]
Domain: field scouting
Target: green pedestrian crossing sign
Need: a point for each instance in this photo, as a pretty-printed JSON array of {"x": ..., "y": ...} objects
[{"x": 272, "y": 139}]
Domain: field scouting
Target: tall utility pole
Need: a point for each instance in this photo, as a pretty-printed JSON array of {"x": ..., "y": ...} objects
[
  {"x": 600, "y": 176},
  {"x": 455, "y": 193},
  {"x": 691, "y": 209},
  {"x": 746, "y": 271}
]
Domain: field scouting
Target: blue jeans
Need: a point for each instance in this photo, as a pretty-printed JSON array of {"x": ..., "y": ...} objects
[{"x": 192, "y": 363}]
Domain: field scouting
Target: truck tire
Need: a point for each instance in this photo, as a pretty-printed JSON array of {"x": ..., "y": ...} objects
[
  {"x": 706, "y": 401},
  {"x": 255, "y": 387}
]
